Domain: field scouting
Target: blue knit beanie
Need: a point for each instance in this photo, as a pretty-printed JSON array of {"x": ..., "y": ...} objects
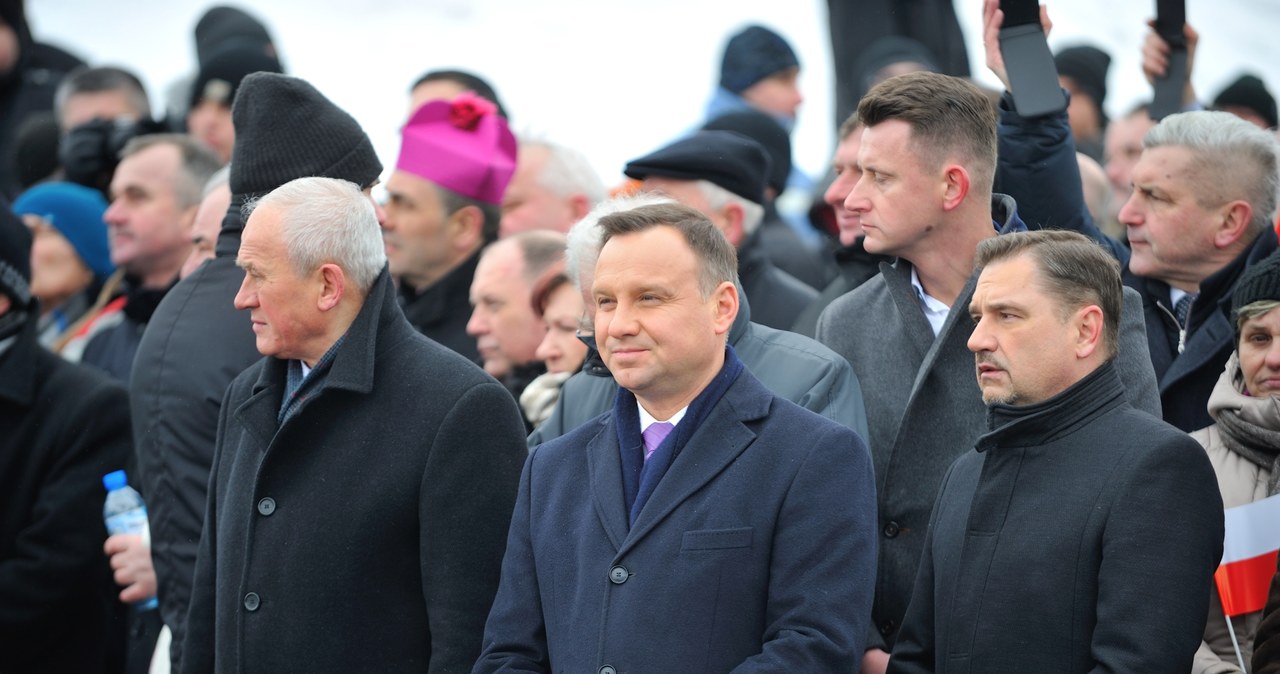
[
  {"x": 752, "y": 55},
  {"x": 76, "y": 212}
]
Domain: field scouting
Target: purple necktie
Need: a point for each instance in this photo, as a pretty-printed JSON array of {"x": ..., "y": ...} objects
[{"x": 654, "y": 435}]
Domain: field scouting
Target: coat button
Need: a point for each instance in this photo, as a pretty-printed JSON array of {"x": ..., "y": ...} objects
[
  {"x": 891, "y": 530},
  {"x": 618, "y": 575},
  {"x": 887, "y": 627},
  {"x": 251, "y": 601},
  {"x": 608, "y": 669},
  {"x": 267, "y": 506}
]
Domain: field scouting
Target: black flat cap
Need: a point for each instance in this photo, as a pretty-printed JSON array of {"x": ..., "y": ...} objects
[{"x": 724, "y": 158}]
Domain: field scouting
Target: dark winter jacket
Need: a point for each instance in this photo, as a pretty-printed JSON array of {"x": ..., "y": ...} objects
[
  {"x": 64, "y": 426},
  {"x": 777, "y": 298},
  {"x": 116, "y": 334},
  {"x": 441, "y": 312},
  {"x": 924, "y": 406},
  {"x": 1189, "y": 364},
  {"x": 1079, "y": 536},
  {"x": 366, "y": 531},
  {"x": 195, "y": 344}
]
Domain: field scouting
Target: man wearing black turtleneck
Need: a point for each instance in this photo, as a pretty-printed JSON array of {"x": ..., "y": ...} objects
[
  {"x": 155, "y": 192},
  {"x": 1079, "y": 534}
]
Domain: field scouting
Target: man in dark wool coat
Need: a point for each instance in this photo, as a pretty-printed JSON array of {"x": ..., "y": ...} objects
[
  {"x": 364, "y": 475},
  {"x": 703, "y": 525},
  {"x": 1079, "y": 534},
  {"x": 62, "y": 427}
]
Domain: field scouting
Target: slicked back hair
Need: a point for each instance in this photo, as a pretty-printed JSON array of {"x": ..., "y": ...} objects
[{"x": 1072, "y": 268}]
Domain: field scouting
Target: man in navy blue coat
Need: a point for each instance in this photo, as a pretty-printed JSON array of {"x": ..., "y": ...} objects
[{"x": 743, "y": 538}]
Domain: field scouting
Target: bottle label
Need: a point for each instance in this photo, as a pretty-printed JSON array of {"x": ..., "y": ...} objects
[{"x": 128, "y": 522}]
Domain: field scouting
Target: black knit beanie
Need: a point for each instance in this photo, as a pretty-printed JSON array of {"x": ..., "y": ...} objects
[
  {"x": 15, "y": 257},
  {"x": 224, "y": 26},
  {"x": 752, "y": 55},
  {"x": 1261, "y": 281},
  {"x": 1087, "y": 67},
  {"x": 286, "y": 129},
  {"x": 221, "y": 74},
  {"x": 1249, "y": 92}
]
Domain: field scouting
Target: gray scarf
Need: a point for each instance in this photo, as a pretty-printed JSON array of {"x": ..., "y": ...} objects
[{"x": 1257, "y": 444}]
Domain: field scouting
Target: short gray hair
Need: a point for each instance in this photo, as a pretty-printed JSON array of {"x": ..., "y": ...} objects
[
  {"x": 329, "y": 220},
  {"x": 718, "y": 197},
  {"x": 196, "y": 163},
  {"x": 1233, "y": 159},
  {"x": 567, "y": 171},
  {"x": 585, "y": 238}
]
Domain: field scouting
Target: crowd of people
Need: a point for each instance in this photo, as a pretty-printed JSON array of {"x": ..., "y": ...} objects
[{"x": 1005, "y": 398}]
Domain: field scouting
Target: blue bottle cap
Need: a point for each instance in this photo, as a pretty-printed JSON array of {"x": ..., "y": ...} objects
[{"x": 114, "y": 480}]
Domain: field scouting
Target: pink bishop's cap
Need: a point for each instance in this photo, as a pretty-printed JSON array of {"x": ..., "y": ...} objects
[{"x": 461, "y": 145}]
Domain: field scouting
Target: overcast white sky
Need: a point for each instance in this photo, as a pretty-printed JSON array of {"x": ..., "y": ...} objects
[{"x": 613, "y": 79}]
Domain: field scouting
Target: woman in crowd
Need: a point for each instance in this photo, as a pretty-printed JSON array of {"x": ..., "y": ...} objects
[
  {"x": 70, "y": 256},
  {"x": 1244, "y": 443},
  {"x": 560, "y": 306}
]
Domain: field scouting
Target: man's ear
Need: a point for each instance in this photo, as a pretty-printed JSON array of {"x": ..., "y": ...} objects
[
  {"x": 732, "y": 218},
  {"x": 726, "y": 306},
  {"x": 1233, "y": 223},
  {"x": 1088, "y": 326},
  {"x": 466, "y": 228},
  {"x": 579, "y": 206},
  {"x": 333, "y": 285},
  {"x": 955, "y": 186}
]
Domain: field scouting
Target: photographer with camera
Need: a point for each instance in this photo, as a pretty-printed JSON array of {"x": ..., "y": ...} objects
[{"x": 99, "y": 110}]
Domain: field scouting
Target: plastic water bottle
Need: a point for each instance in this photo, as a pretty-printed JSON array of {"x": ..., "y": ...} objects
[{"x": 125, "y": 513}]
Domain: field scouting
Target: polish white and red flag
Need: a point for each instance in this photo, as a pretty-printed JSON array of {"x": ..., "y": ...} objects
[{"x": 1249, "y": 555}]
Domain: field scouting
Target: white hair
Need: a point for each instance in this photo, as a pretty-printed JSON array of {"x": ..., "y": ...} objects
[
  {"x": 718, "y": 197},
  {"x": 584, "y": 239},
  {"x": 329, "y": 220},
  {"x": 1233, "y": 160},
  {"x": 567, "y": 171}
]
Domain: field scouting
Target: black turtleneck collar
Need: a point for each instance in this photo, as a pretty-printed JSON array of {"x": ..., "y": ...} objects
[
  {"x": 142, "y": 302},
  {"x": 1048, "y": 420}
]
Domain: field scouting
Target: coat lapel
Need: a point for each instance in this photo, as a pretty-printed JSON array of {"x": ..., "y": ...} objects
[
  {"x": 939, "y": 348},
  {"x": 604, "y": 466},
  {"x": 716, "y": 444},
  {"x": 897, "y": 279},
  {"x": 259, "y": 415}
]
